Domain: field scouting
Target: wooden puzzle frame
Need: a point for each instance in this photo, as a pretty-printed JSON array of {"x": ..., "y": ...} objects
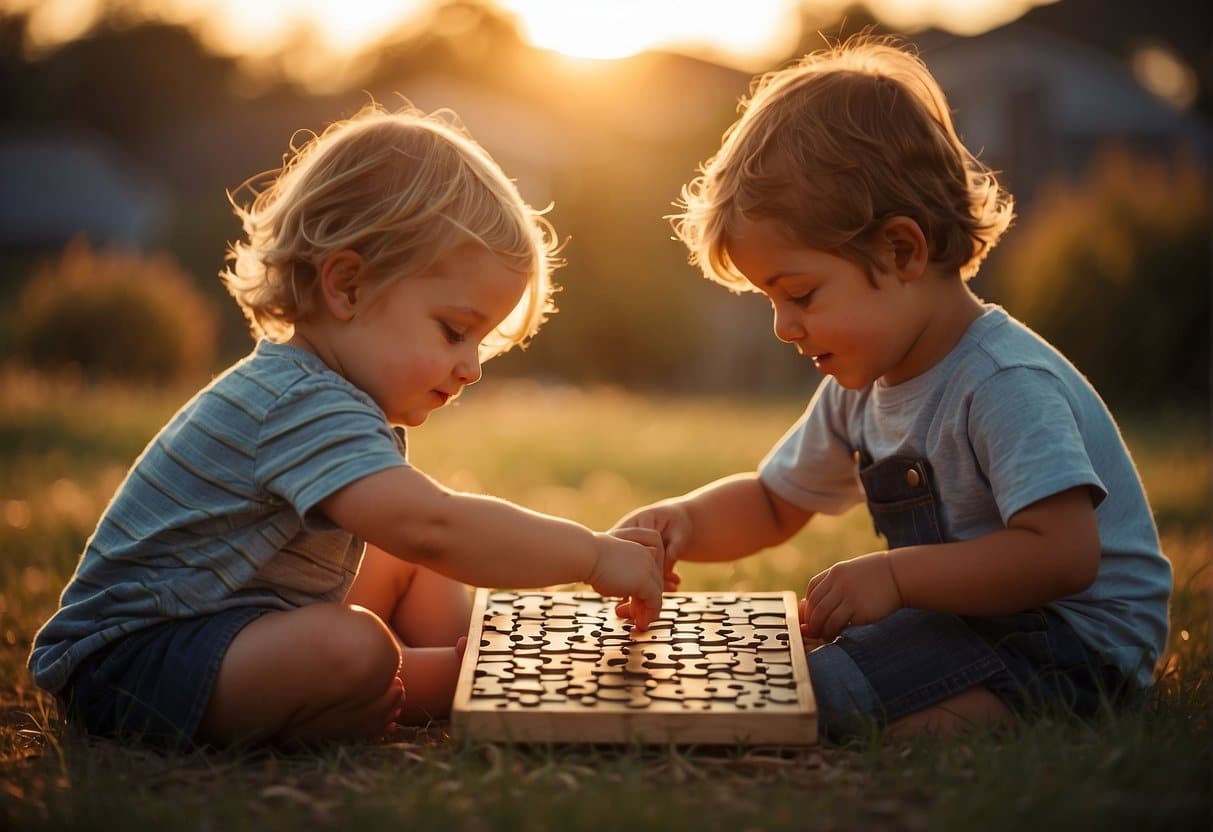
[{"x": 561, "y": 667}]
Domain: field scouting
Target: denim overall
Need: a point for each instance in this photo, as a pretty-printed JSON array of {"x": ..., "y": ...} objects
[
  {"x": 914, "y": 659},
  {"x": 901, "y": 499}
]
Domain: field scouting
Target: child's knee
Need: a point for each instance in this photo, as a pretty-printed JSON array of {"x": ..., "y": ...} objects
[
  {"x": 356, "y": 646},
  {"x": 847, "y": 704}
]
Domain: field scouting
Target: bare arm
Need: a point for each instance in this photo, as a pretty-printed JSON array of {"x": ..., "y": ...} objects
[
  {"x": 485, "y": 541},
  {"x": 724, "y": 520},
  {"x": 1048, "y": 550}
]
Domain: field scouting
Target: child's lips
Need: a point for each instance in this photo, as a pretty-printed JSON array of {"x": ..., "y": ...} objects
[{"x": 443, "y": 398}]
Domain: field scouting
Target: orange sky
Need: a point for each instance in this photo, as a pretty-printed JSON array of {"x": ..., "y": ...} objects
[
  {"x": 748, "y": 34},
  {"x": 751, "y": 36}
]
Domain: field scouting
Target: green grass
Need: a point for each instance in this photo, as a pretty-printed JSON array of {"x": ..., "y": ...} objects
[{"x": 591, "y": 455}]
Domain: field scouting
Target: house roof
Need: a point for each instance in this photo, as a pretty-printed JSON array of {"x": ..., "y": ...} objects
[
  {"x": 1082, "y": 90},
  {"x": 58, "y": 185}
]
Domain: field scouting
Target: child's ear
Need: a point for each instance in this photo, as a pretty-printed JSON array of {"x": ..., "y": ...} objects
[
  {"x": 905, "y": 247},
  {"x": 341, "y": 281}
]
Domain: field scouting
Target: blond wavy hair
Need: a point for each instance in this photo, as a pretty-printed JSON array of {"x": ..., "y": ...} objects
[
  {"x": 834, "y": 145},
  {"x": 401, "y": 189}
]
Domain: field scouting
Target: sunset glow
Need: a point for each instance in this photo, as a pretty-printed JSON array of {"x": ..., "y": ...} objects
[
  {"x": 618, "y": 28},
  {"x": 964, "y": 17},
  {"x": 752, "y": 35},
  {"x": 342, "y": 27}
]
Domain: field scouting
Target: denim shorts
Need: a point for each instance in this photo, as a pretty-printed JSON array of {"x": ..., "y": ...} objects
[
  {"x": 153, "y": 685},
  {"x": 876, "y": 673}
]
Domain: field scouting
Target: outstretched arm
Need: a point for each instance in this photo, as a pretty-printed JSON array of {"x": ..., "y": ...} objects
[
  {"x": 490, "y": 542},
  {"x": 724, "y": 520}
]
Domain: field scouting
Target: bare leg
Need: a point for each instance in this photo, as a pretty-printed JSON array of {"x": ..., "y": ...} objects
[
  {"x": 434, "y": 612},
  {"x": 432, "y": 674},
  {"x": 969, "y": 709},
  {"x": 424, "y": 609},
  {"x": 325, "y": 671},
  {"x": 428, "y": 613}
]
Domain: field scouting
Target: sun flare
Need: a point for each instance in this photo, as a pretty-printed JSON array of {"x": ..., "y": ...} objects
[{"x": 605, "y": 29}]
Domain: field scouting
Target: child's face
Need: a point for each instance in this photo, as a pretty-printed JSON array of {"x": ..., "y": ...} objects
[
  {"x": 415, "y": 345},
  {"x": 827, "y": 307}
]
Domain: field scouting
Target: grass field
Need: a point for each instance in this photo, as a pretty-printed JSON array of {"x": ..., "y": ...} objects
[{"x": 590, "y": 456}]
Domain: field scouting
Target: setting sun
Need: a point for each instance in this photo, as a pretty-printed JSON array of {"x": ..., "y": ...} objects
[{"x": 618, "y": 28}]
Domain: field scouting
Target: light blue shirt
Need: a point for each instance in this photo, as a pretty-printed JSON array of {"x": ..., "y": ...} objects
[
  {"x": 1005, "y": 421},
  {"x": 218, "y": 510}
]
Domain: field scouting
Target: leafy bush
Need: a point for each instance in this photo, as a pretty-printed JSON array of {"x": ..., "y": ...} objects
[
  {"x": 1115, "y": 270},
  {"x": 115, "y": 315}
]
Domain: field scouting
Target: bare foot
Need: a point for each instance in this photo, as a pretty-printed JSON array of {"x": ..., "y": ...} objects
[
  {"x": 966, "y": 710},
  {"x": 430, "y": 675}
]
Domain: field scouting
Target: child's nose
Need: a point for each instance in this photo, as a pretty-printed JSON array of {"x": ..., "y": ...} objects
[
  {"x": 788, "y": 328},
  {"x": 468, "y": 369}
]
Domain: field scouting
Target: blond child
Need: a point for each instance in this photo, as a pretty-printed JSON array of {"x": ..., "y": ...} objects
[
  {"x": 1023, "y": 568},
  {"x": 225, "y": 596}
]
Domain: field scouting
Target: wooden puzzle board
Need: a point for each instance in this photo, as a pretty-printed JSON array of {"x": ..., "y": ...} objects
[{"x": 562, "y": 667}]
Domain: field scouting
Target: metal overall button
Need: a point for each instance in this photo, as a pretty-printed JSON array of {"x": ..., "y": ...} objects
[{"x": 901, "y": 499}]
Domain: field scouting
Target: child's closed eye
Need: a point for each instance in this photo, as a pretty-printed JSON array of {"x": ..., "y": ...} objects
[
  {"x": 452, "y": 334},
  {"x": 802, "y": 299}
]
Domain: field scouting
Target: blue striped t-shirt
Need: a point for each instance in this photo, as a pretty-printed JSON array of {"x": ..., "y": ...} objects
[{"x": 217, "y": 512}]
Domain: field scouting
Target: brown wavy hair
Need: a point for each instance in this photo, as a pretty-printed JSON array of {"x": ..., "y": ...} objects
[{"x": 834, "y": 145}]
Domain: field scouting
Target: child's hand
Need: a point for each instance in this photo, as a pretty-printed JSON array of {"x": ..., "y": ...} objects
[
  {"x": 631, "y": 568},
  {"x": 856, "y": 591},
  {"x": 647, "y": 536},
  {"x": 634, "y": 609},
  {"x": 673, "y": 523}
]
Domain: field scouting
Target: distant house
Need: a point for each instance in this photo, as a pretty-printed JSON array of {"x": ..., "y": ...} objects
[
  {"x": 1033, "y": 104},
  {"x": 55, "y": 186}
]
